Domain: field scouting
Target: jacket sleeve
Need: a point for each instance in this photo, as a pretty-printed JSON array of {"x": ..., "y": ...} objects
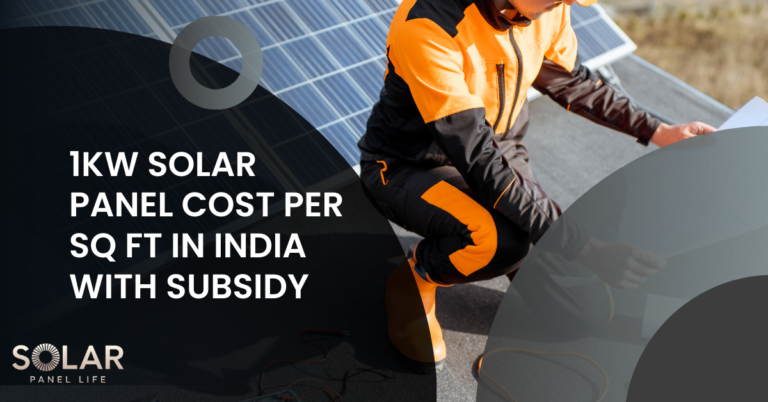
[
  {"x": 468, "y": 141},
  {"x": 431, "y": 66},
  {"x": 568, "y": 82}
]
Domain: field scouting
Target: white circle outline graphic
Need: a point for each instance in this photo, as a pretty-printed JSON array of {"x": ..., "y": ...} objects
[
  {"x": 55, "y": 357},
  {"x": 241, "y": 37}
]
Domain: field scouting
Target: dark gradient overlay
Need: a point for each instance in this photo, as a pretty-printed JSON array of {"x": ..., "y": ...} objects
[{"x": 90, "y": 90}]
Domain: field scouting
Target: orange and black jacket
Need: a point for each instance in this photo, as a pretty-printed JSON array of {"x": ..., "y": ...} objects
[{"x": 456, "y": 82}]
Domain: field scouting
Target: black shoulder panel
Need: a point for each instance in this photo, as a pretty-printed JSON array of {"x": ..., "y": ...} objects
[{"x": 445, "y": 13}]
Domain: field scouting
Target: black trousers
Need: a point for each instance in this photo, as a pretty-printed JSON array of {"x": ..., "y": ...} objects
[{"x": 466, "y": 240}]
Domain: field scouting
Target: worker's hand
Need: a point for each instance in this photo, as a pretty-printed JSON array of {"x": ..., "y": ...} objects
[
  {"x": 667, "y": 134},
  {"x": 620, "y": 265}
]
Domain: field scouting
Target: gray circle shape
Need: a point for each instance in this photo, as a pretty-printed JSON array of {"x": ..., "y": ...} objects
[
  {"x": 181, "y": 73},
  {"x": 712, "y": 349}
]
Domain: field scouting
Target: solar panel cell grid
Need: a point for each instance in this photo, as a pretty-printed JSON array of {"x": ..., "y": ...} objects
[
  {"x": 279, "y": 20},
  {"x": 311, "y": 104},
  {"x": 265, "y": 38},
  {"x": 580, "y": 14},
  {"x": 345, "y": 46},
  {"x": 369, "y": 76},
  {"x": 178, "y": 12},
  {"x": 42, "y": 6},
  {"x": 282, "y": 73},
  {"x": 118, "y": 15},
  {"x": 74, "y": 17},
  {"x": 341, "y": 90},
  {"x": 601, "y": 42},
  {"x": 310, "y": 57},
  {"x": 341, "y": 135},
  {"x": 316, "y": 15}
]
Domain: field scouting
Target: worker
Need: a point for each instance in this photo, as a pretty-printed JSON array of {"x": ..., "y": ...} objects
[{"x": 442, "y": 154}]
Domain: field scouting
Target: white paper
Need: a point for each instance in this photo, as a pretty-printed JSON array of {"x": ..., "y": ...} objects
[{"x": 754, "y": 113}]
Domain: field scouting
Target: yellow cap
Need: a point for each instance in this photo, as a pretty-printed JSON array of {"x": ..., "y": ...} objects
[{"x": 586, "y": 3}]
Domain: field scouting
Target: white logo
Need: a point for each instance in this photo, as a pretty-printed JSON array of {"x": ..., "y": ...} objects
[
  {"x": 45, "y": 347},
  {"x": 111, "y": 357}
]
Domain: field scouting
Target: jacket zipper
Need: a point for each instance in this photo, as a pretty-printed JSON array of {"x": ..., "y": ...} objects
[
  {"x": 519, "y": 76},
  {"x": 500, "y": 75}
]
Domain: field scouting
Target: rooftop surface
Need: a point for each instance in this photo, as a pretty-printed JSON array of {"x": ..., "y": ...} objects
[{"x": 569, "y": 155}]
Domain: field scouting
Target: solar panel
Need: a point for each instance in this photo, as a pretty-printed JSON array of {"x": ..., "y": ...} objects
[
  {"x": 601, "y": 41},
  {"x": 324, "y": 58}
]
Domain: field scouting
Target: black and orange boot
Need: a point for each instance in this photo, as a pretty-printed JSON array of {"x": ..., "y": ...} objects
[{"x": 418, "y": 343}]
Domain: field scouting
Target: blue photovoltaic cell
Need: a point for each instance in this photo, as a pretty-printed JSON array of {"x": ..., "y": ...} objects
[
  {"x": 345, "y": 46},
  {"x": 351, "y": 9},
  {"x": 593, "y": 33},
  {"x": 281, "y": 72},
  {"x": 602, "y": 40},
  {"x": 68, "y": 17},
  {"x": 373, "y": 31},
  {"x": 316, "y": 15},
  {"x": 311, "y": 57},
  {"x": 118, "y": 15},
  {"x": 580, "y": 14},
  {"x": 311, "y": 104},
  {"x": 278, "y": 19},
  {"x": 341, "y": 135},
  {"x": 176, "y": 13},
  {"x": 264, "y": 37},
  {"x": 381, "y": 5},
  {"x": 324, "y": 58},
  {"x": 42, "y": 6},
  {"x": 217, "y": 7},
  {"x": 341, "y": 90},
  {"x": 358, "y": 122},
  {"x": 368, "y": 76}
]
